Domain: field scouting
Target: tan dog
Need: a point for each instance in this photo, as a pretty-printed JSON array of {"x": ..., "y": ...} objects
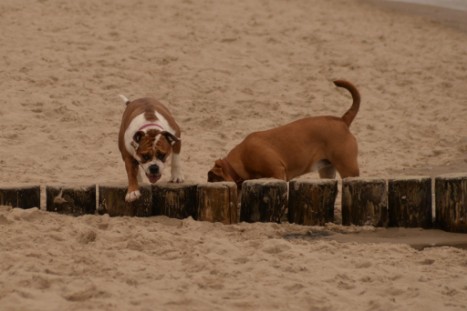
[
  {"x": 148, "y": 135},
  {"x": 322, "y": 144}
]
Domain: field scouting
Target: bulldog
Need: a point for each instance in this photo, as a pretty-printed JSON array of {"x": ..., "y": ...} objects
[
  {"x": 322, "y": 144},
  {"x": 148, "y": 135}
]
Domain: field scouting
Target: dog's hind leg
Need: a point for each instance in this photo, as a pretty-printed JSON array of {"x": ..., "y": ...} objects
[
  {"x": 327, "y": 172},
  {"x": 324, "y": 168},
  {"x": 345, "y": 161},
  {"x": 348, "y": 168}
]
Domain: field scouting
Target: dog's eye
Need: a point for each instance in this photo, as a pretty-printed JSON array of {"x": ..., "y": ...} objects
[
  {"x": 146, "y": 158},
  {"x": 161, "y": 156}
]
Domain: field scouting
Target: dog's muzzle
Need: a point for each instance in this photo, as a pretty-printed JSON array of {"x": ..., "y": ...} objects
[{"x": 153, "y": 173}]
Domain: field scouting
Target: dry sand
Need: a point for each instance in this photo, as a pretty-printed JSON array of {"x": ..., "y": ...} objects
[{"x": 225, "y": 69}]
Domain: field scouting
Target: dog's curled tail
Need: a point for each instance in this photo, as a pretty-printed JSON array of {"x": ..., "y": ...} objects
[
  {"x": 352, "y": 112},
  {"x": 125, "y": 100}
]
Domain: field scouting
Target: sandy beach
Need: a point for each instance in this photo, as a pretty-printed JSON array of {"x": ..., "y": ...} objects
[{"x": 224, "y": 69}]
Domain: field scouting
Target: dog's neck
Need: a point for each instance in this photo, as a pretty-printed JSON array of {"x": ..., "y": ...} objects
[{"x": 230, "y": 170}]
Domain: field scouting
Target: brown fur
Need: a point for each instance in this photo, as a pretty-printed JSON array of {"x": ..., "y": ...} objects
[{"x": 291, "y": 150}]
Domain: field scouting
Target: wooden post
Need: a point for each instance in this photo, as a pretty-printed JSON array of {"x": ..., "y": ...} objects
[
  {"x": 174, "y": 200},
  {"x": 263, "y": 200},
  {"x": 71, "y": 200},
  {"x": 311, "y": 202},
  {"x": 364, "y": 202},
  {"x": 217, "y": 202},
  {"x": 22, "y": 197},
  {"x": 451, "y": 202},
  {"x": 409, "y": 202},
  {"x": 112, "y": 201}
]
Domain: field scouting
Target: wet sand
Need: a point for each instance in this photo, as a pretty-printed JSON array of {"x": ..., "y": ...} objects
[{"x": 443, "y": 16}]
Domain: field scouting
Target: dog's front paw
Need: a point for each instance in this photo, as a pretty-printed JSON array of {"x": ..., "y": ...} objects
[
  {"x": 132, "y": 196},
  {"x": 177, "y": 178}
]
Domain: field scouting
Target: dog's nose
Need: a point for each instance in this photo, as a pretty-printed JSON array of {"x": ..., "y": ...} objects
[{"x": 154, "y": 169}]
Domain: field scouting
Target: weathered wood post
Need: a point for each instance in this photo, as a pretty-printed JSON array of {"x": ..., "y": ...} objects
[
  {"x": 217, "y": 202},
  {"x": 263, "y": 200},
  {"x": 22, "y": 196},
  {"x": 72, "y": 200},
  {"x": 410, "y": 202},
  {"x": 364, "y": 202},
  {"x": 311, "y": 202},
  {"x": 112, "y": 201},
  {"x": 174, "y": 200},
  {"x": 451, "y": 202}
]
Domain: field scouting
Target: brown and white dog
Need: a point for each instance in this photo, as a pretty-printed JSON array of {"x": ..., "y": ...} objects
[
  {"x": 148, "y": 135},
  {"x": 322, "y": 144}
]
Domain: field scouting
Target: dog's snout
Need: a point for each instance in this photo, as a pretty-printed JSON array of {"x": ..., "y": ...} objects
[{"x": 154, "y": 169}]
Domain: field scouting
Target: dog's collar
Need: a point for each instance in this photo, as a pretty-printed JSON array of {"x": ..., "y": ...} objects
[
  {"x": 149, "y": 125},
  {"x": 236, "y": 178}
]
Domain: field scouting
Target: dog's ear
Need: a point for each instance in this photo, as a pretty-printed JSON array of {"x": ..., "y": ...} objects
[
  {"x": 218, "y": 164},
  {"x": 172, "y": 139},
  {"x": 216, "y": 174},
  {"x": 138, "y": 136}
]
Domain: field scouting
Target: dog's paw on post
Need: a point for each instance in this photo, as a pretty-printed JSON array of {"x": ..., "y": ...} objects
[
  {"x": 132, "y": 196},
  {"x": 177, "y": 179}
]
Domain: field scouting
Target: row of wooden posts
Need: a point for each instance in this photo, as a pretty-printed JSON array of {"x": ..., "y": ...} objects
[{"x": 401, "y": 202}]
